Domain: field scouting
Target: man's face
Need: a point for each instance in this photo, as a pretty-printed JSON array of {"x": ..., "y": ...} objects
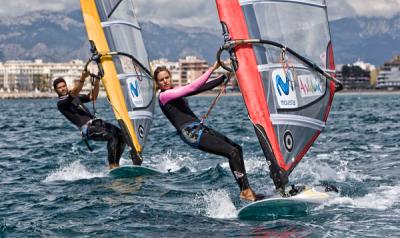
[{"x": 62, "y": 89}]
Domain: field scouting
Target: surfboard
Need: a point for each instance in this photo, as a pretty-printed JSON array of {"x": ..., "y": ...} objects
[
  {"x": 133, "y": 171},
  {"x": 277, "y": 207}
]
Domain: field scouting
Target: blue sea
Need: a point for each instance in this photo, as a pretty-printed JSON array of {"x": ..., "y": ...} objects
[{"x": 52, "y": 186}]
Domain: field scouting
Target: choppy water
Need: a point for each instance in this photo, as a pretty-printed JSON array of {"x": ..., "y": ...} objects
[{"x": 52, "y": 186}]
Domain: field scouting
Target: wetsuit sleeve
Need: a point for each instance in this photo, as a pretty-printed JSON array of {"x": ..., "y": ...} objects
[
  {"x": 209, "y": 85},
  {"x": 175, "y": 93},
  {"x": 64, "y": 101}
]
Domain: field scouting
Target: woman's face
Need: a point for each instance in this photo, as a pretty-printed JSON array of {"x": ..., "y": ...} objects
[{"x": 164, "y": 80}]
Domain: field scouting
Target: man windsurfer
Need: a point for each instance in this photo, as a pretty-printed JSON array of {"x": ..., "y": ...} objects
[
  {"x": 71, "y": 105},
  {"x": 176, "y": 108}
]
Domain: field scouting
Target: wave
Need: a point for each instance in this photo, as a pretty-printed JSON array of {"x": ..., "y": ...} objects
[{"x": 72, "y": 172}]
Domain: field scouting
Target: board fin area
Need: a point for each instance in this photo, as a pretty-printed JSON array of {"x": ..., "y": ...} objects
[
  {"x": 133, "y": 171},
  {"x": 278, "y": 207}
]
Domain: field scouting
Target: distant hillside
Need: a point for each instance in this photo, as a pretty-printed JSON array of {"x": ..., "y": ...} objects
[
  {"x": 374, "y": 40},
  {"x": 59, "y": 36}
]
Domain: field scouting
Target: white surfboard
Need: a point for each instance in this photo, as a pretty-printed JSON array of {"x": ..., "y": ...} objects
[
  {"x": 133, "y": 171},
  {"x": 277, "y": 207}
]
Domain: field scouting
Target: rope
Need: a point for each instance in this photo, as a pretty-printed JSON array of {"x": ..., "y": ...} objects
[
  {"x": 92, "y": 81},
  {"x": 216, "y": 99},
  {"x": 286, "y": 66}
]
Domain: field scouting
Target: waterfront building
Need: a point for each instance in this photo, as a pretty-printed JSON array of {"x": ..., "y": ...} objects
[
  {"x": 355, "y": 76},
  {"x": 188, "y": 69},
  {"x": 173, "y": 67},
  {"x": 191, "y": 68},
  {"x": 28, "y": 76},
  {"x": 389, "y": 75}
]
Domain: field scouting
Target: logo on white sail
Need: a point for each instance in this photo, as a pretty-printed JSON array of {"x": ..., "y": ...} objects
[
  {"x": 135, "y": 92},
  {"x": 284, "y": 88},
  {"x": 310, "y": 86}
]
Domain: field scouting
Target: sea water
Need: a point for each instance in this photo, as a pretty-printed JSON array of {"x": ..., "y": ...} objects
[{"x": 52, "y": 186}]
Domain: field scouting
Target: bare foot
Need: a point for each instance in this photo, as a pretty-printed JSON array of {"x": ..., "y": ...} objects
[
  {"x": 113, "y": 165},
  {"x": 248, "y": 195}
]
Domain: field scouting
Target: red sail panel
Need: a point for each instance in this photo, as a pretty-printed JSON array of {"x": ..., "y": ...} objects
[{"x": 249, "y": 79}]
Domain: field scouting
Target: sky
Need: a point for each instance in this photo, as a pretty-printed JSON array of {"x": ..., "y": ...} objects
[{"x": 194, "y": 13}]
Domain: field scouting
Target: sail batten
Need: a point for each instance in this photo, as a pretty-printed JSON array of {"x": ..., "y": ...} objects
[
  {"x": 110, "y": 23},
  {"x": 282, "y": 119}
]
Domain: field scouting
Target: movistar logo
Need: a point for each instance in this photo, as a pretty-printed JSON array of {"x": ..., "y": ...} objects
[
  {"x": 135, "y": 90},
  {"x": 284, "y": 86}
]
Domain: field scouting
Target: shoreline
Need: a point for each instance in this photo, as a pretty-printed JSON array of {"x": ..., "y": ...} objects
[{"x": 47, "y": 95}]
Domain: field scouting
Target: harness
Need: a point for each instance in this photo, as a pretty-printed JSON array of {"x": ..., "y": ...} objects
[
  {"x": 191, "y": 133},
  {"x": 85, "y": 136}
]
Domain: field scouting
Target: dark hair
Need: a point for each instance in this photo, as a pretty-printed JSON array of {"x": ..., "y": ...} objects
[
  {"x": 158, "y": 70},
  {"x": 57, "y": 81}
]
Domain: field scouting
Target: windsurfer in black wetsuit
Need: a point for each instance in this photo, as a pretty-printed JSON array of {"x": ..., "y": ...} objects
[
  {"x": 177, "y": 110},
  {"x": 71, "y": 105}
]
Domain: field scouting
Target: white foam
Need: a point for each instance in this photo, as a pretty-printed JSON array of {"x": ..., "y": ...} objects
[
  {"x": 166, "y": 162},
  {"x": 319, "y": 170},
  {"x": 383, "y": 198},
  {"x": 253, "y": 165},
  {"x": 217, "y": 204},
  {"x": 72, "y": 172},
  {"x": 125, "y": 162}
]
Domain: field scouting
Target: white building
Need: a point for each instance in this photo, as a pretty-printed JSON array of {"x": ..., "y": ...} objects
[
  {"x": 191, "y": 68},
  {"x": 184, "y": 71},
  {"x": 173, "y": 67},
  {"x": 22, "y": 75},
  {"x": 188, "y": 69},
  {"x": 389, "y": 75}
]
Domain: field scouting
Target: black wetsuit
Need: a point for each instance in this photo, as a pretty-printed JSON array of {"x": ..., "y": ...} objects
[
  {"x": 193, "y": 133},
  {"x": 91, "y": 128}
]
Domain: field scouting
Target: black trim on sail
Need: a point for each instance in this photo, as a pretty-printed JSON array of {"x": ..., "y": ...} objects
[
  {"x": 278, "y": 175},
  {"x": 112, "y": 10}
]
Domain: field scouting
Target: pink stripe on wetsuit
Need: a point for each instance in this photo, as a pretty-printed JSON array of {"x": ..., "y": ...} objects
[{"x": 174, "y": 93}]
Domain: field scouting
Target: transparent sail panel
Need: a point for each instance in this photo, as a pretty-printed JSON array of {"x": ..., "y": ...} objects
[
  {"x": 124, "y": 12},
  {"x": 300, "y": 27},
  {"x": 106, "y": 7},
  {"x": 127, "y": 39}
]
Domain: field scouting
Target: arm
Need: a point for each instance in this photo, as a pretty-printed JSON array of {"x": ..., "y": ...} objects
[
  {"x": 172, "y": 94},
  {"x": 95, "y": 92},
  {"x": 209, "y": 85},
  {"x": 78, "y": 87}
]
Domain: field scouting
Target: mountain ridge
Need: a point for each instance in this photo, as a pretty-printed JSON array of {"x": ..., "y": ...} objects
[{"x": 60, "y": 36}]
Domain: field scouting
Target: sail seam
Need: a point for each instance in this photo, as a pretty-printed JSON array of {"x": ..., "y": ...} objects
[
  {"x": 140, "y": 115},
  {"x": 293, "y": 120},
  {"x": 125, "y": 76},
  {"x": 110, "y": 23},
  {"x": 266, "y": 67}
]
